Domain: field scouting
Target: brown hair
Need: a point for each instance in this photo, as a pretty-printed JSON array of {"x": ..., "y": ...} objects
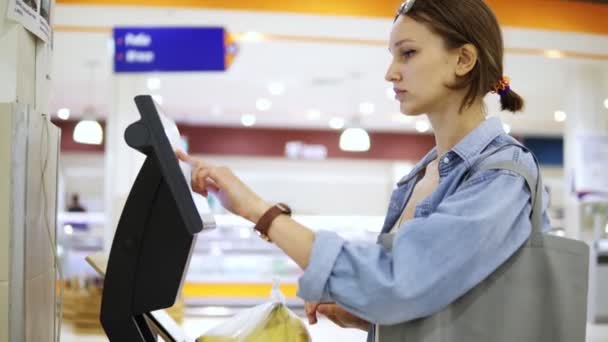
[{"x": 469, "y": 22}]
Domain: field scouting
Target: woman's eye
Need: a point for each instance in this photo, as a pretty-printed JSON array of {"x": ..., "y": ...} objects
[{"x": 408, "y": 53}]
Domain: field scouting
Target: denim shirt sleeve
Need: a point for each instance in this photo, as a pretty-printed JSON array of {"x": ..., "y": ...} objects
[{"x": 434, "y": 260}]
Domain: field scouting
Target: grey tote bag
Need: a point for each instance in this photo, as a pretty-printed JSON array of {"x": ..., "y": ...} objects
[{"x": 538, "y": 295}]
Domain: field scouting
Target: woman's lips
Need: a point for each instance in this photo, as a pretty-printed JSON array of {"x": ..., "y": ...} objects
[{"x": 399, "y": 94}]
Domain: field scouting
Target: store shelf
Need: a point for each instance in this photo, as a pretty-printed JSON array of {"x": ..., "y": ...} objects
[{"x": 230, "y": 265}]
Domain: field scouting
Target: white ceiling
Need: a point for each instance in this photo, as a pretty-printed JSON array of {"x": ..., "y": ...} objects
[{"x": 330, "y": 77}]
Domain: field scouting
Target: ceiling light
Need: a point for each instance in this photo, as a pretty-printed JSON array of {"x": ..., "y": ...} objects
[
  {"x": 554, "y": 54},
  {"x": 313, "y": 114},
  {"x": 153, "y": 83},
  {"x": 606, "y": 103},
  {"x": 422, "y": 126},
  {"x": 354, "y": 140},
  {"x": 63, "y": 113},
  {"x": 263, "y": 104},
  {"x": 367, "y": 108},
  {"x": 336, "y": 123},
  {"x": 507, "y": 128},
  {"x": 560, "y": 116},
  {"x": 248, "y": 120},
  {"x": 88, "y": 132},
  {"x": 252, "y": 37},
  {"x": 68, "y": 229},
  {"x": 276, "y": 88}
]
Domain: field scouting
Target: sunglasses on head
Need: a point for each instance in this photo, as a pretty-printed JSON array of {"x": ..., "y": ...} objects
[{"x": 405, "y": 7}]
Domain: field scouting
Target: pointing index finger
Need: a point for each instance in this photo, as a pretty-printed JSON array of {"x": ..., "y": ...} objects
[{"x": 185, "y": 157}]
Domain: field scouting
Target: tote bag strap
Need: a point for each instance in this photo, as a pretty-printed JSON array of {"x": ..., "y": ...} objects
[
  {"x": 535, "y": 186},
  {"x": 536, "y": 213}
]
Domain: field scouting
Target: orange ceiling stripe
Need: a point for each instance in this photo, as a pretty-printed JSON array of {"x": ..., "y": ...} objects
[
  {"x": 378, "y": 8},
  {"x": 561, "y": 15},
  {"x": 569, "y": 16}
]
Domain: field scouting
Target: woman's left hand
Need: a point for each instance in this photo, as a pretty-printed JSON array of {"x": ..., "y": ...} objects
[
  {"x": 234, "y": 195},
  {"x": 336, "y": 314}
]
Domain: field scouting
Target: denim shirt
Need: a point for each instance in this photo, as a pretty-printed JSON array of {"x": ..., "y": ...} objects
[{"x": 459, "y": 235}]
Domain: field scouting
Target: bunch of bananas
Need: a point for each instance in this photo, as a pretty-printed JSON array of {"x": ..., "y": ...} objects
[{"x": 279, "y": 326}]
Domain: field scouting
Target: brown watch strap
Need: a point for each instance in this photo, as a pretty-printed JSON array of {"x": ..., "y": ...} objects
[{"x": 266, "y": 220}]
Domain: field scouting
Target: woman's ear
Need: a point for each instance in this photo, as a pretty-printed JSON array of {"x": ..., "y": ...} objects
[{"x": 467, "y": 59}]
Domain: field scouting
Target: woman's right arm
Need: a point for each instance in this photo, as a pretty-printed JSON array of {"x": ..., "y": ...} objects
[{"x": 435, "y": 259}]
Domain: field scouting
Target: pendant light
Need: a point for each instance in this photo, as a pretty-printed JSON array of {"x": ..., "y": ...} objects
[{"x": 88, "y": 130}]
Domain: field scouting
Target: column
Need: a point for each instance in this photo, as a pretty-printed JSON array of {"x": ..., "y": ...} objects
[
  {"x": 122, "y": 162},
  {"x": 588, "y": 89}
]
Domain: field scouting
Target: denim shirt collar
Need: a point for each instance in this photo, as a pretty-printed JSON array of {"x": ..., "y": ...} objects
[
  {"x": 478, "y": 139},
  {"x": 467, "y": 148}
]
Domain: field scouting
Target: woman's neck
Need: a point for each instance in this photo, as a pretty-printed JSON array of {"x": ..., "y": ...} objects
[{"x": 450, "y": 126}]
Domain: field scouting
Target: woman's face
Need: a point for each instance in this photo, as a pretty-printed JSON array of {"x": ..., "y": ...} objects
[{"x": 421, "y": 67}]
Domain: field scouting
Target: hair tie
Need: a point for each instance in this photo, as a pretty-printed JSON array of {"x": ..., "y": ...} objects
[{"x": 503, "y": 86}]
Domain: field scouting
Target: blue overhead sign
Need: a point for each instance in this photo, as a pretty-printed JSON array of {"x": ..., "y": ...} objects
[{"x": 172, "y": 49}]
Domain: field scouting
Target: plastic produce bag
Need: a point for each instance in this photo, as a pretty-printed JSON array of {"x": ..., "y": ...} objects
[{"x": 269, "y": 322}]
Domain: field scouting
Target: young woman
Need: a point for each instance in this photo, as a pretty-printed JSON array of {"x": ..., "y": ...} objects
[{"x": 448, "y": 234}]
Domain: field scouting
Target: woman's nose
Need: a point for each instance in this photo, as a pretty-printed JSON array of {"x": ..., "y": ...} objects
[{"x": 392, "y": 74}]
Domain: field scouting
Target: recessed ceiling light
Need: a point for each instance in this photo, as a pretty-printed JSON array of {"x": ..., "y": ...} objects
[
  {"x": 336, "y": 123},
  {"x": 560, "y": 116},
  {"x": 68, "y": 229},
  {"x": 313, "y": 114},
  {"x": 554, "y": 54},
  {"x": 248, "y": 120},
  {"x": 63, "y": 113},
  {"x": 276, "y": 88},
  {"x": 252, "y": 37},
  {"x": 263, "y": 104}
]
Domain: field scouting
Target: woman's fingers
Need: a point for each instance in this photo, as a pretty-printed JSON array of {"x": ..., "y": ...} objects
[
  {"x": 311, "y": 311},
  {"x": 194, "y": 162},
  {"x": 212, "y": 186},
  {"x": 200, "y": 181},
  {"x": 234, "y": 195},
  {"x": 334, "y": 319},
  {"x": 331, "y": 311},
  {"x": 202, "y": 173},
  {"x": 324, "y": 309},
  {"x": 181, "y": 155}
]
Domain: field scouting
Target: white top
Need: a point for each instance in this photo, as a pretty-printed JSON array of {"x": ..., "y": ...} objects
[{"x": 397, "y": 224}]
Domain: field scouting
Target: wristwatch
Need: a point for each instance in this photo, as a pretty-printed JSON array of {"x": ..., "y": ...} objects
[{"x": 266, "y": 220}]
